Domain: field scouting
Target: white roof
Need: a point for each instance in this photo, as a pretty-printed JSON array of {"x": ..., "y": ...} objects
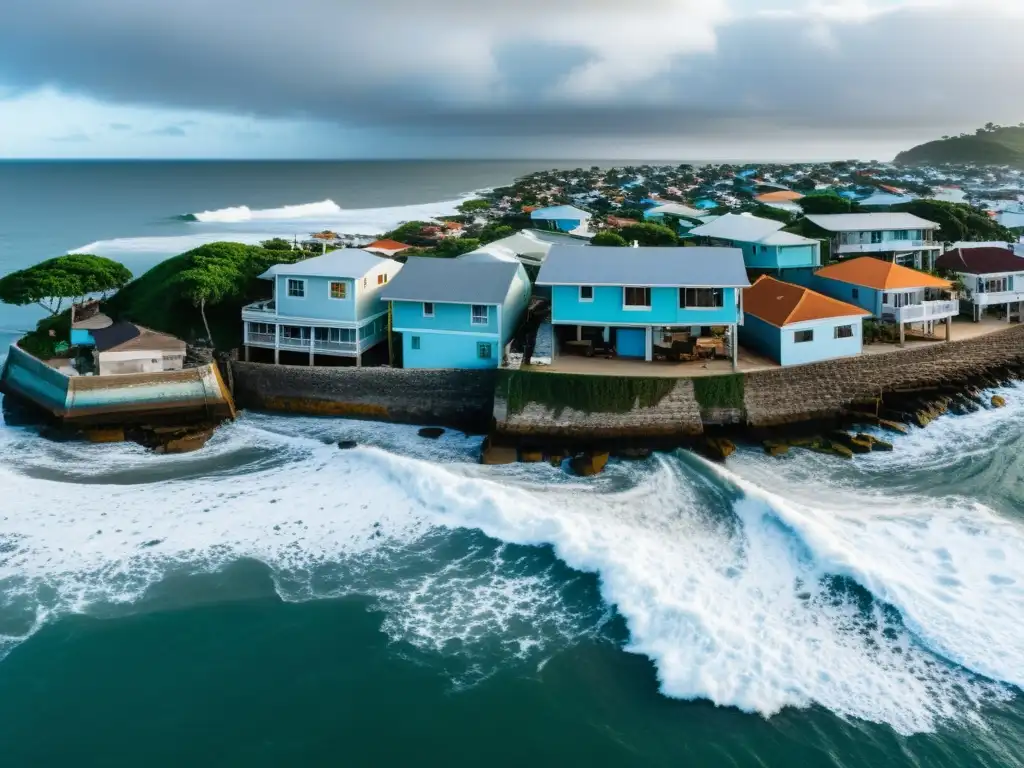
[
  {"x": 987, "y": 244},
  {"x": 864, "y": 222},
  {"x": 676, "y": 209},
  {"x": 786, "y": 238},
  {"x": 345, "y": 262},
  {"x": 884, "y": 199},
  {"x": 531, "y": 245},
  {"x": 739, "y": 227}
]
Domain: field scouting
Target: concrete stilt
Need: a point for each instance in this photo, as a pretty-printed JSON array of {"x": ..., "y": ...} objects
[
  {"x": 277, "y": 356},
  {"x": 903, "y": 334},
  {"x": 359, "y": 360},
  {"x": 949, "y": 327},
  {"x": 247, "y": 353},
  {"x": 735, "y": 347}
]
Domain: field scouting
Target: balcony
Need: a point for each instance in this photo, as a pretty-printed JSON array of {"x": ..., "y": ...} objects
[
  {"x": 319, "y": 346},
  {"x": 888, "y": 246},
  {"x": 924, "y": 312},
  {"x": 998, "y": 297}
]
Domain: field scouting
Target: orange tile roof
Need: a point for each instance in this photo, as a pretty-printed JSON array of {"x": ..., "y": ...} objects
[
  {"x": 388, "y": 245},
  {"x": 453, "y": 225},
  {"x": 880, "y": 275},
  {"x": 780, "y": 304},
  {"x": 782, "y": 196}
]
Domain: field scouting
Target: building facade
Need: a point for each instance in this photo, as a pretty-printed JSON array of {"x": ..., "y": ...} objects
[
  {"x": 993, "y": 280},
  {"x": 763, "y": 243},
  {"x": 328, "y": 305},
  {"x": 902, "y": 238}
]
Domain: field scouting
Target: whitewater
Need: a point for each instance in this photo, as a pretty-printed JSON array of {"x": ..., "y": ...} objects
[{"x": 761, "y": 584}]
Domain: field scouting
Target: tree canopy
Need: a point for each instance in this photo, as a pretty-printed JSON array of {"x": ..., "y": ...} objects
[
  {"x": 830, "y": 203},
  {"x": 649, "y": 234},
  {"x": 277, "y": 244},
  {"x": 957, "y": 221},
  {"x": 609, "y": 239},
  {"x": 73, "y": 276},
  {"x": 472, "y": 206}
]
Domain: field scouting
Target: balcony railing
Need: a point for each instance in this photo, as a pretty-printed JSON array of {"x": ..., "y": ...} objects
[
  {"x": 886, "y": 246},
  {"x": 918, "y": 313},
  {"x": 267, "y": 307},
  {"x": 996, "y": 297},
  {"x": 317, "y": 345},
  {"x": 260, "y": 338}
]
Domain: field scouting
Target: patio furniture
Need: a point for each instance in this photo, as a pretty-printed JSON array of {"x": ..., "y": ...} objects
[
  {"x": 682, "y": 351},
  {"x": 583, "y": 348}
]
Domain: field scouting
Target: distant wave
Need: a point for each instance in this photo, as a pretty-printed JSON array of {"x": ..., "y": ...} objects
[{"x": 242, "y": 213}]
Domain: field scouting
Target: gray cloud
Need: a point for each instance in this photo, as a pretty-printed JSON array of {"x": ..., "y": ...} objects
[
  {"x": 75, "y": 137},
  {"x": 174, "y": 131},
  {"x": 535, "y": 68}
]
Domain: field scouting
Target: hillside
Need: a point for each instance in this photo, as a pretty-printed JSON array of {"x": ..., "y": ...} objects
[{"x": 1001, "y": 146}]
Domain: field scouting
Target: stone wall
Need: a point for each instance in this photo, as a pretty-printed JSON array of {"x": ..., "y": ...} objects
[
  {"x": 455, "y": 398},
  {"x": 677, "y": 415},
  {"x": 820, "y": 390}
]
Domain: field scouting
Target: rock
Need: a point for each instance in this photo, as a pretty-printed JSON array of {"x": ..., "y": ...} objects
[
  {"x": 841, "y": 451},
  {"x": 556, "y": 459},
  {"x": 855, "y": 444},
  {"x": 589, "y": 464},
  {"x": 497, "y": 454},
  {"x": 718, "y": 448},
  {"x": 998, "y": 401},
  {"x": 880, "y": 445},
  {"x": 431, "y": 433},
  {"x": 775, "y": 448},
  {"x": 922, "y": 418},
  {"x": 892, "y": 426},
  {"x": 187, "y": 443},
  {"x": 347, "y": 445},
  {"x": 531, "y": 457},
  {"x": 113, "y": 435}
]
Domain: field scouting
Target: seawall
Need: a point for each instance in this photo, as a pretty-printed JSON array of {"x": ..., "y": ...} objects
[
  {"x": 539, "y": 406},
  {"x": 454, "y": 398}
]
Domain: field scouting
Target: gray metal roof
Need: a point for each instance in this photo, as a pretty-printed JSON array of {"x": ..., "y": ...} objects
[
  {"x": 864, "y": 222},
  {"x": 453, "y": 281},
  {"x": 345, "y": 262},
  {"x": 711, "y": 267}
]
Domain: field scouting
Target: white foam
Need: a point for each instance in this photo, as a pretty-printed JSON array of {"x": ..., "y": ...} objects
[
  {"x": 736, "y": 607},
  {"x": 321, "y": 210}
]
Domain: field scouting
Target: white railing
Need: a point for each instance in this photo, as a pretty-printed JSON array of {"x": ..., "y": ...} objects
[
  {"x": 998, "y": 297},
  {"x": 345, "y": 347},
  {"x": 293, "y": 343},
  {"x": 917, "y": 313},
  {"x": 886, "y": 246},
  {"x": 266, "y": 307},
  {"x": 260, "y": 338}
]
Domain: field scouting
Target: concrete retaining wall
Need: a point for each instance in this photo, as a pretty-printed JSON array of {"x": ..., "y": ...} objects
[{"x": 455, "y": 398}]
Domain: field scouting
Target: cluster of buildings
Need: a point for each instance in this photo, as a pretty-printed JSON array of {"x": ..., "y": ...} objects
[{"x": 745, "y": 283}]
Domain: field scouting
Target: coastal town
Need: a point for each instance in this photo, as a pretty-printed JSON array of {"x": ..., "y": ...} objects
[{"x": 647, "y": 272}]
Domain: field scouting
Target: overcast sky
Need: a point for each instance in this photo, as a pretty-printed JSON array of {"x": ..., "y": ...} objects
[{"x": 658, "y": 79}]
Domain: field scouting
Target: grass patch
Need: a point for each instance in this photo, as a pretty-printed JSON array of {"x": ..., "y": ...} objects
[
  {"x": 720, "y": 391},
  {"x": 588, "y": 394}
]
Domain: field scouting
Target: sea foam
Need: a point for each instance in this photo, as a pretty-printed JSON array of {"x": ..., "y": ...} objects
[{"x": 739, "y": 593}]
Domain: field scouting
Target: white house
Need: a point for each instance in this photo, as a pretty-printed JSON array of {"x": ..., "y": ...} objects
[
  {"x": 129, "y": 348},
  {"x": 993, "y": 278},
  {"x": 902, "y": 238}
]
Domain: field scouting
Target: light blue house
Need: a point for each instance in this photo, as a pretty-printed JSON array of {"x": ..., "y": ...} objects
[
  {"x": 794, "y": 325},
  {"x": 563, "y": 218},
  {"x": 327, "y": 305},
  {"x": 632, "y": 297},
  {"x": 764, "y": 244},
  {"x": 457, "y": 313}
]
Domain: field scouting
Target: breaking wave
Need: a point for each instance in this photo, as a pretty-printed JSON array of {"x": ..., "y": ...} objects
[
  {"x": 745, "y": 585},
  {"x": 242, "y": 213}
]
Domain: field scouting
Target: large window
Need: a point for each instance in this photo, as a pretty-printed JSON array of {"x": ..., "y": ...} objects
[
  {"x": 701, "y": 298},
  {"x": 428, "y": 309},
  {"x": 339, "y": 289},
  {"x": 639, "y": 298},
  {"x": 480, "y": 315},
  {"x": 586, "y": 293},
  {"x": 296, "y": 288},
  {"x": 876, "y": 237},
  {"x": 483, "y": 350},
  {"x": 844, "y": 331},
  {"x": 996, "y": 285},
  {"x": 264, "y": 329},
  {"x": 801, "y": 337},
  {"x": 295, "y": 332},
  {"x": 901, "y": 234},
  {"x": 334, "y": 335}
]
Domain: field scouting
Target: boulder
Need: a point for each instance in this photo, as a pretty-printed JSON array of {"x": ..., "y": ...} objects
[
  {"x": 191, "y": 441},
  {"x": 113, "y": 435},
  {"x": 347, "y": 445},
  {"x": 556, "y": 459},
  {"x": 859, "y": 444},
  {"x": 773, "y": 448},
  {"x": 892, "y": 426},
  {"x": 497, "y": 454},
  {"x": 589, "y": 464},
  {"x": 531, "y": 457},
  {"x": 431, "y": 433},
  {"x": 998, "y": 401},
  {"x": 718, "y": 448}
]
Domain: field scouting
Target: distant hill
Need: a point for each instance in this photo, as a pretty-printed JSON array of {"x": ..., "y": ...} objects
[{"x": 998, "y": 146}]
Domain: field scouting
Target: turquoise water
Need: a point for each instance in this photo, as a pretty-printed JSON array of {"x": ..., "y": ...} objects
[{"x": 272, "y": 600}]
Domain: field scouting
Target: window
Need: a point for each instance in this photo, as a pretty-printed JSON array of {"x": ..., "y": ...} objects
[
  {"x": 586, "y": 293},
  {"x": 801, "y": 336},
  {"x": 701, "y": 298},
  {"x": 855, "y": 293},
  {"x": 428, "y": 309},
  {"x": 876, "y": 237},
  {"x": 296, "y": 288},
  {"x": 483, "y": 350},
  {"x": 381, "y": 279},
  {"x": 339, "y": 290},
  {"x": 901, "y": 234},
  {"x": 844, "y": 331},
  {"x": 414, "y": 342},
  {"x": 334, "y": 335},
  {"x": 480, "y": 315},
  {"x": 264, "y": 329},
  {"x": 636, "y": 297},
  {"x": 996, "y": 285},
  {"x": 295, "y": 332}
]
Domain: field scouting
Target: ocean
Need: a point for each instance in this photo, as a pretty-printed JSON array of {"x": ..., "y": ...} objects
[{"x": 272, "y": 600}]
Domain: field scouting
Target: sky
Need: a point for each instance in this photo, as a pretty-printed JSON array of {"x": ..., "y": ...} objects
[{"x": 560, "y": 79}]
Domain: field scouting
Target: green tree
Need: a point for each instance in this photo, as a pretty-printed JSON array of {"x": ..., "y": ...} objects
[
  {"x": 410, "y": 233},
  {"x": 210, "y": 282},
  {"x": 74, "y": 276},
  {"x": 830, "y": 203},
  {"x": 495, "y": 231},
  {"x": 609, "y": 239},
  {"x": 775, "y": 214},
  {"x": 957, "y": 221},
  {"x": 276, "y": 244},
  {"x": 472, "y": 206},
  {"x": 451, "y": 247},
  {"x": 649, "y": 234}
]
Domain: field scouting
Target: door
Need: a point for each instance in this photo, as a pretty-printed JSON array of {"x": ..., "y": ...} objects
[{"x": 631, "y": 342}]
